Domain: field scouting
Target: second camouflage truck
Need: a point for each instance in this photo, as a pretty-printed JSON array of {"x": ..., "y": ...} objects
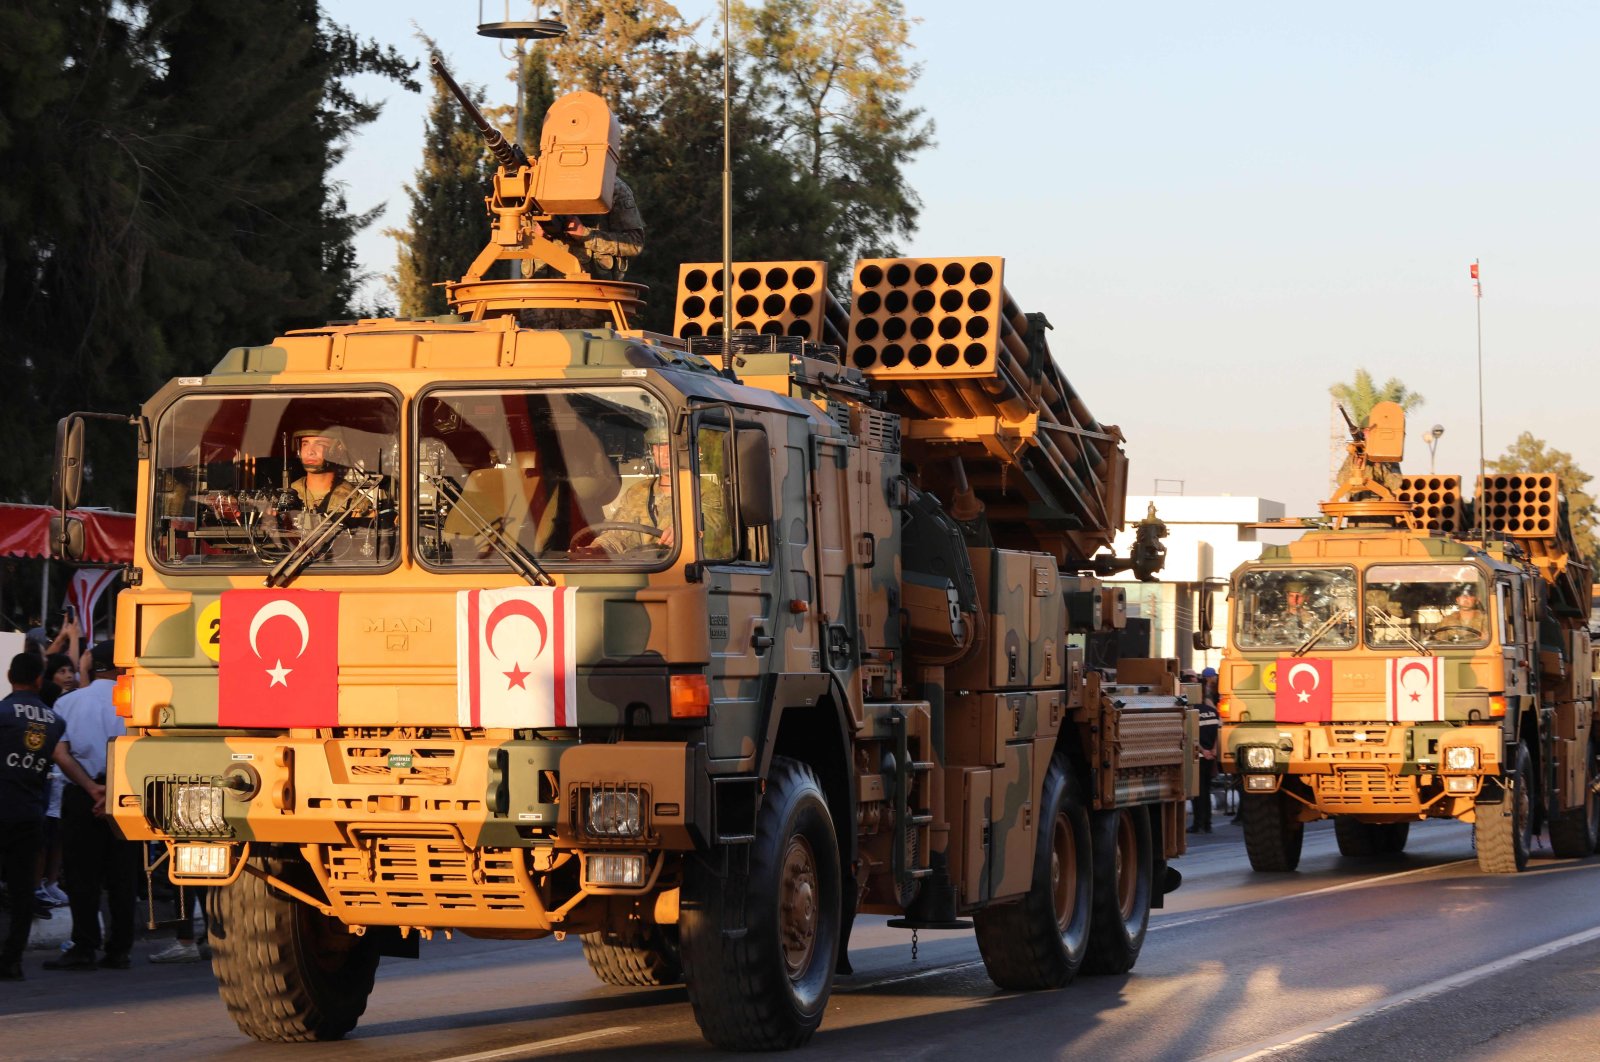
[
  {"x": 1416, "y": 659},
  {"x": 522, "y": 621}
]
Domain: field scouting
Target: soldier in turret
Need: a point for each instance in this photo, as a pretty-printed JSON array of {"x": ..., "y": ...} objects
[{"x": 605, "y": 249}]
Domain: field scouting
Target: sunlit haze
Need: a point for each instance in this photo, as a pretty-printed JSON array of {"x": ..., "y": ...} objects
[{"x": 1224, "y": 208}]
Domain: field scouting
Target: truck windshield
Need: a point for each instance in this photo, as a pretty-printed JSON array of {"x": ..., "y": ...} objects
[
  {"x": 243, "y": 481},
  {"x": 1435, "y": 604},
  {"x": 559, "y": 476},
  {"x": 1280, "y": 608}
]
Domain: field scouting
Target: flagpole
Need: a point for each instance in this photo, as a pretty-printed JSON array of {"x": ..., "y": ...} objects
[{"x": 1477, "y": 291}]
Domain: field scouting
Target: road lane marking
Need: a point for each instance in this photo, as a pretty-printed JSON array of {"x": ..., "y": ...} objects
[
  {"x": 539, "y": 1045},
  {"x": 902, "y": 978},
  {"x": 1315, "y": 1030},
  {"x": 1325, "y": 890}
]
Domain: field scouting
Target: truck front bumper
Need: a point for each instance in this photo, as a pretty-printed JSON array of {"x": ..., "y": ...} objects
[{"x": 1402, "y": 771}]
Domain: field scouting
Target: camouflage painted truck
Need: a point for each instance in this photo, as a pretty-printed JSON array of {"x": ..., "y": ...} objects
[
  {"x": 1416, "y": 658},
  {"x": 697, "y": 657}
]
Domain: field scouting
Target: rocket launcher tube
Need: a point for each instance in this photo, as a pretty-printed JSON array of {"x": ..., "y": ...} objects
[{"x": 509, "y": 155}]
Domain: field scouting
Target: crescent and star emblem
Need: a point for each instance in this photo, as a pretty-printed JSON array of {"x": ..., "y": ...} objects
[
  {"x": 291, "y": 611},
  {"x": 1427, "y": 679},
  {"x": 1304, "y": 696},
  {"x": 516, "y": 677}
]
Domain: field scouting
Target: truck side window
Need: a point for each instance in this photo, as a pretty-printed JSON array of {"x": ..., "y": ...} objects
[
  {"x": 727, "y": 539},
  {"x": 714, "y": 487},
  {"x": 1507, "y": 610}
]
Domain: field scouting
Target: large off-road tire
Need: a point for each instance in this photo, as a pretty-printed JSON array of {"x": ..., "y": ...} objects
[
  {"x": 1040, "y": 940},
  {"x": 1575, "y": 833},
  {"x": 1503, "y": 833},
  {"x": 1357, "y": 839},
  {"x": 643, "y": 957},
  {"x": 1393, "y": 839},
  {"x": 1362, "y": 840},
  {"x": 1273, "y": 832},
  {"x": 1123, "y": 866},
  {"x": 286, "y": 971},
  {"x": 766, "y": 988}
]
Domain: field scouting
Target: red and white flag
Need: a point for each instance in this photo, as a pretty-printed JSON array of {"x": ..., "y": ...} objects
[
  {"x": 1415, "y": 686},
  {"x": 516, "y": 657},
  {"x": 1305, "y": 690},
  {"x": 83, "y": 593},
  {"x": 278, "y": 663}
]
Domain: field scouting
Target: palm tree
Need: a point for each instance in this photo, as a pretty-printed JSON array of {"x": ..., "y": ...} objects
[{"x": 1361, "y": 394}]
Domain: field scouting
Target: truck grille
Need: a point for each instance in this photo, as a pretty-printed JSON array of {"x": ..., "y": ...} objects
[
  {"x": 414, "y": 876},
  {"x": 1365, "y": 788}
]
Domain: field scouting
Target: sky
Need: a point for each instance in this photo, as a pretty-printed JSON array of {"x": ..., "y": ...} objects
[{"x": 1226, "y": 207}]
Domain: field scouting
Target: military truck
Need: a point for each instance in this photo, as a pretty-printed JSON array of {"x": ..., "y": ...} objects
[
  {"x": 1415, "y": 657},
  {"x": 524, "y": 621}
]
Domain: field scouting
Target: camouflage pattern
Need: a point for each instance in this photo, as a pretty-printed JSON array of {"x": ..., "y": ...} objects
[
  {"x": 815, "y": 502},
  {"x": 1513, "y": 659}
]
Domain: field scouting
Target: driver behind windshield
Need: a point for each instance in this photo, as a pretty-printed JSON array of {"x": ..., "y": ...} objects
[
  {"x": 324, "y": 486},
  {"x": 1468, "y": 611},
  {"x": 647, "y": 502}
]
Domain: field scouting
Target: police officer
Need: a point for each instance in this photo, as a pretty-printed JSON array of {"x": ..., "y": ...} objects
[
  {"x": 97, "y": 859},
  {"x": 29, "y": 732},
  {"x": 1210, "y": 727}
]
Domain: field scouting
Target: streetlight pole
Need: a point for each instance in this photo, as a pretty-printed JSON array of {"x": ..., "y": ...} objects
[{"x": 1432, "y": 439}]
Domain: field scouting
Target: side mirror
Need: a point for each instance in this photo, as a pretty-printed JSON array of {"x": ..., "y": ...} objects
[
  {"x": 755, "y": 479},
  {"x": 1205, "y": 616},
  {"x": 66, "y": 484},
  {"x": 66, "y": 538}
]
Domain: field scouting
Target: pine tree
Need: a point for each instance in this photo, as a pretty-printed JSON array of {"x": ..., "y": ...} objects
[
  {"x": 175, "y": 202},
  {"x": 833, "y": 77}
]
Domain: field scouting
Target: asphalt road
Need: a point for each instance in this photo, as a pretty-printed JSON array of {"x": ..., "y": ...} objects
[{"x": 1415, "y": 956}]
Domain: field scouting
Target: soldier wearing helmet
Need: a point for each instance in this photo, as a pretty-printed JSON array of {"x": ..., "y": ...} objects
[
  {"x": 1469, "y": 610},
  {"x": 325, "y": 459},
  {"x": 646, "y": 502}
]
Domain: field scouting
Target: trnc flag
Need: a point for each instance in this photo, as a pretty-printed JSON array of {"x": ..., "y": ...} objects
[
  {"x": 516, "y": 657},
  {"x": 83, "y": 593},
  {"x": 278, "y": 662},
  {"x": 1415, "y": 686},
  {"x": 1305, "y": 690}
]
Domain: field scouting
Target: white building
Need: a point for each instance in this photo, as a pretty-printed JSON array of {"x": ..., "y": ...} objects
[{"x": 1207, "y": 538}]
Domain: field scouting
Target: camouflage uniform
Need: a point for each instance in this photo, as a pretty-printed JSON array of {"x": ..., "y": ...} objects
[
  {"x": 331, "y": 502},
  {"x": 614, "y": 240},
  {"x": 646, "y": 502},
  {"x": 649, "y": 503}
]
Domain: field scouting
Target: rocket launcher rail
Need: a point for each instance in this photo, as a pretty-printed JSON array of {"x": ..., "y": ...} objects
[
  {"x": 1531, "y": 509},
  {"x": 975, "y": 381}
]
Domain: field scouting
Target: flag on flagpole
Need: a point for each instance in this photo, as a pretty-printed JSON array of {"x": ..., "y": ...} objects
[{"x": 1477, "y": 282}]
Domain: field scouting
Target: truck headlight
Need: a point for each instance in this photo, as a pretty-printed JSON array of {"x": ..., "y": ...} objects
[
  {"x": 614, "y": 813},
  {"x": 617, "y": 871},
  {"x": 1461, "y": 758},
  {"x": 197, "y": 811},
  {"x": 1260, "y": 758},
  {"x": 202, "y": 860}
]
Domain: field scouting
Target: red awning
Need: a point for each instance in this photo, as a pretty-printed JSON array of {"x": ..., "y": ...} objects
[{"x": 107, "y": 536}]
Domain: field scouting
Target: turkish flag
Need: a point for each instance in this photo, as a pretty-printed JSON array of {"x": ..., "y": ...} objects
[
  {"x": 279, "y": 658},
  {"x": 515, "y": 657},
  {"x": 1416, "y": 689},
  {"x": 1305, "y": 690},
  {"x": 1474, "y": 270}
]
